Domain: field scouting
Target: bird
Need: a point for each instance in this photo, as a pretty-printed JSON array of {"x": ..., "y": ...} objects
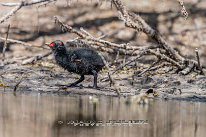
[
  {"x": 82, "y": 61},
  {"x": 142, "y": 98}
]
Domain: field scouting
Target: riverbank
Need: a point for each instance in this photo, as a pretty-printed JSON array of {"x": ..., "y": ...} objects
[{"x": 49, "y": 79}]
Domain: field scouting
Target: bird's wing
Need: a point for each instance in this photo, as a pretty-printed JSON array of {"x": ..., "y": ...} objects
[{"x": 75, "y": 58}]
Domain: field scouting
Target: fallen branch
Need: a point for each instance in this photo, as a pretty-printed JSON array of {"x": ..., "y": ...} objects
[
  {"x": 38, "y": 57},
  {"x": 164, "y": 57},
  {"x": 188, "y": 69},
  {"x": 17, "y": 85},
  {"x": 21, "y": 42},
  {"x": 130, "y": 20},
  {"x": 147, "y": 69},
  {"x": 183, "y": 10},
  {"x": 84, "y": 35},
  {"x": 112, "y": 82},
  {"x": 160, "y": 66},
  {"x": 198, "y": 61},
  {"x": 11, "y": 13},
  {"x": 102, "y": 45},
  {"x": 5, "y": 45},
  {"x": 45, "y": 3},
  {"x": 25, "y": 3},
  {"x": 18, "y": 7},
  {"x": 128, "y": 62},
  {"x": 135, "y": 22}
]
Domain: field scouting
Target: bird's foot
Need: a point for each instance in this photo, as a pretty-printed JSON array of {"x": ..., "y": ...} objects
[
  {"x": 94, "y": 87},
  {"x": 72, "y": 85}
]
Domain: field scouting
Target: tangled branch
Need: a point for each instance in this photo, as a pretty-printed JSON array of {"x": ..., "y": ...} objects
[
  {"x": 19, "y": 6},
  {"x": 135, "y": 22}
]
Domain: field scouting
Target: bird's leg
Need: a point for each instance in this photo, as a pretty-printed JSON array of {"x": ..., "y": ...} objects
[
  {"x": 77, "y": 82},
  {"x": 95, "y": 78}
]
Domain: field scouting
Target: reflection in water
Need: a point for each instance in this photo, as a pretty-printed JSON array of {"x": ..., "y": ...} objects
[{"x": 54, "y": 116}]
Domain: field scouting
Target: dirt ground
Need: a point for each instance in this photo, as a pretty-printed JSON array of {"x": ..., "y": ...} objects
[{"x": 36, "y": 26}]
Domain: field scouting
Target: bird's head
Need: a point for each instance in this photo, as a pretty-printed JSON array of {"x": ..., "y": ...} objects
[{"x": 57, "y": 45}]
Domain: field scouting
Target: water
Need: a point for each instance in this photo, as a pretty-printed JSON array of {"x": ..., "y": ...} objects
[{"x": 54, "y": 116}]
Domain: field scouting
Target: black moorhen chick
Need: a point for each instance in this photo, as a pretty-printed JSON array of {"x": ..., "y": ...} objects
[{"x": 82, "y": 61}]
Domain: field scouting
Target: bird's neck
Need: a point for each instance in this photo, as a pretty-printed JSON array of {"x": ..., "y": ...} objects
[
  {"x": 61, "y": 57},
  {"x": 60, "y": 53}
]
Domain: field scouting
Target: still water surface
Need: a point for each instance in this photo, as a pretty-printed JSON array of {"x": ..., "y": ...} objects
[{"x": 58, "y": 116}]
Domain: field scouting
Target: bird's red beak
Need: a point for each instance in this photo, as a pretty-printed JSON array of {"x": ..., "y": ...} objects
[{"x": 51, "y": 45}]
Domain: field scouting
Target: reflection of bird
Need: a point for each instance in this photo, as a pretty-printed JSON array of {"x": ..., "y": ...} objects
[
  {"x": 142, "y": 98},
  {"x": 82, "y": 61}
]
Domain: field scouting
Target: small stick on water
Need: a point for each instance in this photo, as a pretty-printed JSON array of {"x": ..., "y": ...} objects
[
  {"x": 198, "y": 61},
  {"x": 5, "y": 45},
  {"x": 17, "y": 85}
]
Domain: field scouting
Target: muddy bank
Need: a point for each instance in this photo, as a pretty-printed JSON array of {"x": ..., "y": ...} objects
[
  {"x": 49, "y": 80},
  {"x": 45, "y": 77}
]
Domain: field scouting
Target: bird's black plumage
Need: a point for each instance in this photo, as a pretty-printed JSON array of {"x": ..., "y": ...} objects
[{"x": 82, "y": 61}]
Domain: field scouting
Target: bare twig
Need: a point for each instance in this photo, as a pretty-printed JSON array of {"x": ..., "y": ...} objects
[
  {"x": 5, "y": 45},
  {"x": 24, "y": 3},
  {"x": 21, "y": 42},
  {"x": 198, "y": 61},
  {"x": 17, "y": 85},
  {"x": 87, "y": 36},
  {"x": 152, "y": 65},
  {"x": 183, "y": 10},
  {"x": 18, "y": 7},
  {"x": 160, "y": 66},
  {"x": 102, "y": 45},
  {"x": 45, "y": 3},
  {"x": 112, "y": 82},
  {"x": 11, "y": 13},
  {"x": 38, "y": 57},
  {"x": 134, "y": 21},
  {"x": 164, "y": 57},
  {"x": 188, "y": 69},
  {"x": 130, "y": 20},
  {"x": 69, "y": 28},
  {"x": 128, "y": 62}
]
